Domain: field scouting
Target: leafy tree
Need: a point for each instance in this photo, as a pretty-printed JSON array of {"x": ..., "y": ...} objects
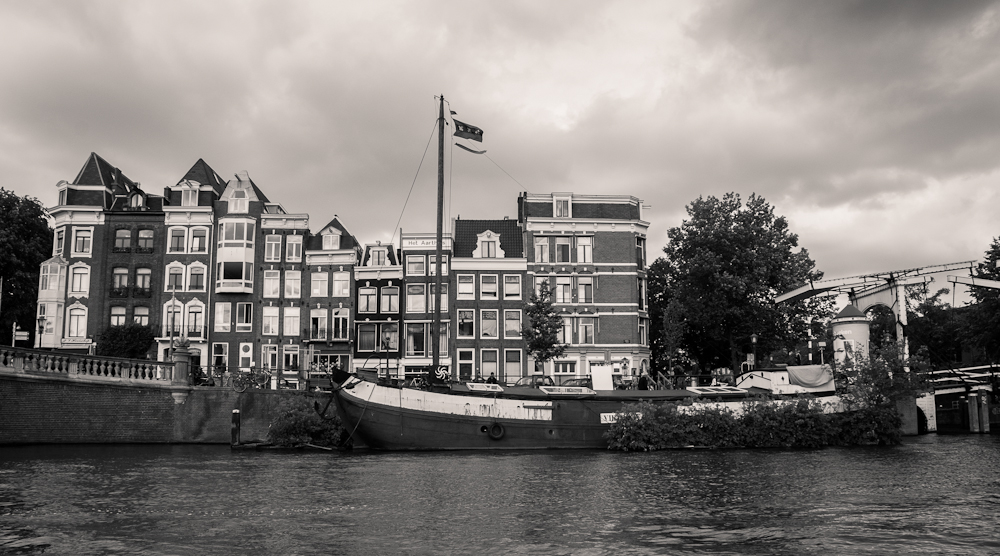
[
  {"x": 25, "y": 241},
  {"x": 541, "y": 333},
  {"x": 722, "y": 269},
  {"x": 935, "y": 326},
  {"x": 981, "y": 323},
  {"x": 127, "y": 340}
]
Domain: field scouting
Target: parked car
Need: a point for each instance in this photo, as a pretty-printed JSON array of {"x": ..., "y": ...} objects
[
  {"x": 534, "y": 381},
  {"x": 586, "y": 382}
]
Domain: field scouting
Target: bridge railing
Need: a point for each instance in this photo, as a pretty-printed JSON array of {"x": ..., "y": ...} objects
[{"x": 51, "y": 363}]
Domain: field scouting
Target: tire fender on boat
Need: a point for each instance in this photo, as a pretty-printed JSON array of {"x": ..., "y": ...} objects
[{"x": 496, "y": 431}]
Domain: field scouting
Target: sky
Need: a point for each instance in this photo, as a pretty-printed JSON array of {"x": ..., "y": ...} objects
[{"x": 873, "y": 127}]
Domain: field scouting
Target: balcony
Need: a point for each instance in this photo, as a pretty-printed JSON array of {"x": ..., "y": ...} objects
[
  {"x": 144, "y": 250},
  {"x": 175, "y": 330},
  {"x": 319, "y": 334},
  {"x": 119, "y": 292},
  {"x": 141, "y": 292},
  {"x": 194, "y": 331},
  {"x": 119, "y": 249}
]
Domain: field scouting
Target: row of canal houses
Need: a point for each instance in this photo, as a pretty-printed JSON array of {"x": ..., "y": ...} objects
[{"x": 248, "y": 285}]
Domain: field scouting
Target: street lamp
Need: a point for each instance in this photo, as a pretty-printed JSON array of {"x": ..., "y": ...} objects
[
  {"x": 41, "y": 329},
  {"x": 753, "y": 342}
]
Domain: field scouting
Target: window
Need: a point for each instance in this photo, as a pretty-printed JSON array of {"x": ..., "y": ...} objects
[
  {"x": 585, "y": 289},
  {"x": 291, "y": 324},
  {"x": 378, "y": 258},
  {"x": 367, "y": 302},
  {"x": 143, "y": 278},
  {"x": 119, "y": 278},
  {"x": 562, "y": 208},
  {"x": 80, "y": 282},
  {"x": 318, "y": 284},
  {"x": 269, "y": 321},
  {"x": 177, "y": 239},
  {"x": 60, "y": 241},
  {"x": 238, "y": 273},
  {"x": 416, "y": 298},
  {"x": 236, "y": 234},
  {"x": 117, "y": 316},
  {"x": 562, "y": 249},
  {"x": 141, "y": 316},
  {"x": 331, "y": 241},
  {"x": 175, "y": 278},
  {"x": 489, "y": 324},
  {"x": 585, "y": 249},
  {"x": 488, "y": 249},
  {"x": 77, "y": 323},
  {"x": 541, "y": 249},
  {"x": 290, "y": 357},
  {"x": 415, "y": 265},
  {"x": 489, "y": 362},
  {"x": 195, "y": 320},
  {"x": 244, "y": 317},
  {"x": 196, "y": 280},
  {"x": 199, "y": 240},
  {"x": 317, "y": 324},
  {"x": 272, "y": 248},
  {"x": 293, "y": 249},
  {"x": 82, "y": 241},
  {"x": 220, "y": 356},
  {"x": 135, "y": 201},
  {"x": 444, "y": 297},
  {"x": 146, "y": 240},
  {"x": 567, "y": 332},
  {"x": 488, "y": 286},
  {"x": 390, "y": 299},
  {"x": 272, "y": 283},
  {"x": 511, "y": 286},
  {"x": 366, "y": 337},
  {"x": 466, "y": 286},
  {"x": 466, "y": 358},
  {"x": 172, "y": 323},
  {"x": 642, "y": 332},
  {"x": 642, "y": 294},
  {"x": 512, "y": 323},
  {"x": 466, "y": 323},
  {"x": 246, "y": 355},
  {"x": 586, "y": 330},
  {"x": 49, "y": 277},
  {"x": 223, "y": 316},
  {"x": 566, "y": 367},
  {"x": 189, "y": 197},
  {"x": 562, "y": 292},
  {"x": 416, "y": 339},
  {"x": 512, "y": 364},
  {"x": 269, "y": 356},
  {"x": 339, "y": 326},
  {"x": 640, "y": 252},
  {"x": 123, "y": 240},
  {"x": 239, "y": 201},
  {"x": 341, "y": 284},
  {"x": 431, "y": 270},
  {"x": 293, "y": 283},
  {"x": 390, "y": 337}
]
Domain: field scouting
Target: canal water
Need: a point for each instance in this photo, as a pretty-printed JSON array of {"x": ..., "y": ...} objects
[{"x": 933, "y": 494}]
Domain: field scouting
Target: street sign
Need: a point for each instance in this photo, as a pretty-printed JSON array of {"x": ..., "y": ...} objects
[{"x": 21, "y": 336}]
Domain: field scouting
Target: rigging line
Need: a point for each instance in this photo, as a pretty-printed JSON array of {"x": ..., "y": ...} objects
[
  {"x": 451, "y": 164},
  {"x": 410, "y": 192},
  {"x": 523, "y": 188}
]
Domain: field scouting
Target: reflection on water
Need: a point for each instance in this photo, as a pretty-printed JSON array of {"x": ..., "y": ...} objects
[{"x": 933, "y": 494}]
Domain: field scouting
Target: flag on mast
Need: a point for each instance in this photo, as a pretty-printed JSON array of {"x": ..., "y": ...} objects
[{"x": 467, "y": 131}]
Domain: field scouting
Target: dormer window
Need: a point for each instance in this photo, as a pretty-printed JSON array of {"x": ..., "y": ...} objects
[
  {"x": 331, "y": 241},
  {"x": 378, "y": 257},
  {"x": 62, "y": 196},
  {"x": 135, "y": 201},
  {"x": 562, "y": 208},
  {"x": 488, "y": 246},
  {"x": 239, "y": 202},
  {"x": 189, "y": 198}
]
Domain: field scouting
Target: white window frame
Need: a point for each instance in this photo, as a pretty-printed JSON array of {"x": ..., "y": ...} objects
[
  {"x": 517, "y": 294},
  {"x": 272, "y": 284},
  {"x": 558, "y": 212},
  {"x": 581, "y": 281},
  {"x": 191, "y": 238},
  {"x": 483, "y": 294},
  {"x": 223, "y": 316},
  {"x": 469, "y": 281},
  {"x": 189, "y": 197},
  {"x": 331, "y": 242},
  {"x": 430, "y": 265},
  {"x": 484, "y": 372},
  {"x": 482, "y": 324},
  {"x": 191, "y": 272},
  {"x": 76, "y": 321},
  {"x": 371, "y": 301},
  {"x": 416, "y": 302},
  {"x": 270, "y": 320},
  {"x": 430, "y": 297},
  {"x": 272, "y": 248},
  {"x": 117, "y": 313},
  {"x": 183, "y": 235},
  {"x": 239, "y": 204},
  {"x": 471, "y": 313},
  {"x": 416, "y": 265},
  {"x": 319, "y": 284},
  {"x": 89, "y": 243},
  {"x": 564, "y": 241},
  {"x": 182, "y": 272},
  {"x": 293, "y": 249},
  {"x": 581, "y": 337},
  {"x": 517, "y": 334},
  {"x": 341, "y": 284},
  {"x": 520, "y": 365},
  {"x": 389, "y": 294},
  {"x": 84, "y": 290},
  {"x": 293, "y": 284},
  {"x": 340, "y": 325},
  {"x": 291, "y": 321},
  {"x": 244, "y": 309},
  {"x": 585, "y": 249},
  {"x": 542, "y": 249}
]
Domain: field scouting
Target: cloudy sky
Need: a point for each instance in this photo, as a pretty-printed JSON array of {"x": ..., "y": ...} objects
[{"x": 873, "y": 127}]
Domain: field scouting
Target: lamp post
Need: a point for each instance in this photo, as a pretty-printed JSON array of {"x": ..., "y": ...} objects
[
  {"x": 41, "y": 329},
  {"x": 753, "y": 342}
]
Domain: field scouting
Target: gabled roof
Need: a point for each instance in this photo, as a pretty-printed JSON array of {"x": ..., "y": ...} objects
[
  {"x": 97, "y": 171},
  {"x": 467, "y": 232},
  {"x": 202, "y": 173},
  {"x": 260, "y": 194}
]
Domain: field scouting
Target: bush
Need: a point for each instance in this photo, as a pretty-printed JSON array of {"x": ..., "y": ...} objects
[
  {"x": 800, "y": 424},
  {"x": 298, "y": 423}
]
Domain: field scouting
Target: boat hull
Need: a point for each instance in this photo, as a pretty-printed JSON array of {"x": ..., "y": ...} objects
[{"x": 405, "y": 419}]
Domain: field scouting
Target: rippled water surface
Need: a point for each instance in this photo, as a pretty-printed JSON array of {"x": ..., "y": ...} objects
[{"x": 933, "y": 494}]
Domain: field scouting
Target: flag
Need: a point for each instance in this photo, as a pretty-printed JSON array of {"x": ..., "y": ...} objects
[
  {"x": 461, "y": 146},
  {"x": 468, "y": 131}
]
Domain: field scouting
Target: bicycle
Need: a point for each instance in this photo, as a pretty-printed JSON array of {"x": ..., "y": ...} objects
[{"x": 245, "y": 379}]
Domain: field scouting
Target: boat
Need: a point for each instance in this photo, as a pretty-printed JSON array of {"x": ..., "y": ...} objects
[{"x": 474, "y": 416}]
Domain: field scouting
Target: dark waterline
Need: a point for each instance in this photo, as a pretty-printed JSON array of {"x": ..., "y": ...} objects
[{"x": 933, "y": 494}]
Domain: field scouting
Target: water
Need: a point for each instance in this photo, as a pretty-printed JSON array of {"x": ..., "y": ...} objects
[{"x": 933, "y": 494}]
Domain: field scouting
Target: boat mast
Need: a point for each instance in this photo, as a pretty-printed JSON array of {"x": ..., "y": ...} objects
[{"x": 436, "y": 323}]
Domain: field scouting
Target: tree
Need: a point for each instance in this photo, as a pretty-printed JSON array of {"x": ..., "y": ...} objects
[
  {"x": 25, "y": 241},
  {"x": 981, "y": 323},
  {"x": 127, "y": 340},
  {"x": 935, "y": 326},
  {"x": 541, "y": 333},
  {"x": 722, "y": 269}
]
